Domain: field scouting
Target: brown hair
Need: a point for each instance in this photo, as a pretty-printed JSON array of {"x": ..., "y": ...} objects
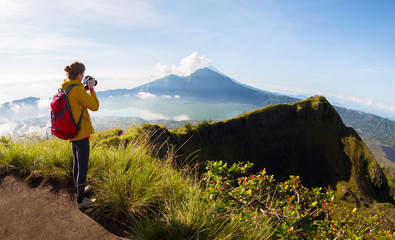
[{"x": 74, "y": 69}]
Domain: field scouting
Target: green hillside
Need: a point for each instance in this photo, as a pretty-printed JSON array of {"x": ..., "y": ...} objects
[
  {"x": 370, "y": 125},
  {"x": 307, "y": 139},
  {"x": 376, "y": 147}
]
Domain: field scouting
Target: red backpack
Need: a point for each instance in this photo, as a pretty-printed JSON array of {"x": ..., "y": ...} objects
[{"x": 62, "y": 124}]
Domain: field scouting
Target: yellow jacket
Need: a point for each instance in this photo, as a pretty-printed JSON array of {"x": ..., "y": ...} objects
[{"x": 79, "y": 98}]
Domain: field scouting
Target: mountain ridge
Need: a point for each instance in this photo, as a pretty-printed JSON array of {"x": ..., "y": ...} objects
[
  {"x": 206, "y": 85},
  {"x": 307, "y": 139}
]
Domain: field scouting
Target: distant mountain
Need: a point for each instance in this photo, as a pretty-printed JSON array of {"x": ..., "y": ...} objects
[
  {"x": 204, "y": 85},
  {"x": 306, "y": 139},
  {"x": 29, "y": 101},
  {"x": 24, "y": 108},
  {"x": 369, "y": 125}
]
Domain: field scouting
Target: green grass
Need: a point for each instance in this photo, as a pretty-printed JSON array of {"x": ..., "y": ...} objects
[
  {"x": 33, "y": 157},
  {"x": 153, "y": 197}
]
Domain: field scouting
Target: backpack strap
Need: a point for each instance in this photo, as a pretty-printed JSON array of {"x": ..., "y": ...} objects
[{"x": 68, "y": 107}]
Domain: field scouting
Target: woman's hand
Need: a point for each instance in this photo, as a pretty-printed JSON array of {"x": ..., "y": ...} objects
[{"x": 91, "y": 83}]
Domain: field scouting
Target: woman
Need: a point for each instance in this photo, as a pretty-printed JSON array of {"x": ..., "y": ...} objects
[{"x": 80, "y": 101}]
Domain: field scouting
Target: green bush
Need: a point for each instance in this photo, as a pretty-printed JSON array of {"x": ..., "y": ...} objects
[
  {"x": 296, "y": 212},
  {"x": 188, "y": 126}
]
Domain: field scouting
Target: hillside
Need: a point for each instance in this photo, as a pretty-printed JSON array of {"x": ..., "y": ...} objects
[
  {"x": 370, "y": 125},
  {"x": 377, "y": 149},
  {"x": 307, "y": 138}
]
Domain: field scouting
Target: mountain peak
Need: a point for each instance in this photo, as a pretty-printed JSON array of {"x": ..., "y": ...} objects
[
  {"x": 208, "y": 70},
  {"x": 212, "y": 68},
  {"x": 28, "y": 100}
]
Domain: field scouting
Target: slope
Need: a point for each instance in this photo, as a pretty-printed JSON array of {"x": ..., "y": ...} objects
[
  {"x": 370, "y": 125},
  {"x": 307, "y": 138}
]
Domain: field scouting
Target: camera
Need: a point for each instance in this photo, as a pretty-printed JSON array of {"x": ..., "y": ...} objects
[{"x": 85, "y": 81}]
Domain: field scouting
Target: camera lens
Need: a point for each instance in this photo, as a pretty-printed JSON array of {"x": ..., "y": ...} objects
[{"x": 86, "y": 79}]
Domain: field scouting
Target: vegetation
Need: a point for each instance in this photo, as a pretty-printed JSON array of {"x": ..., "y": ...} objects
[
  {"x": 376, "y": 148},
  {"x": 199, "y": 126},
  {"x": 143, "y": 189},
  {"x": 370, "y": 125},
  {"x": 307, "y": 139},
  {"x": 300, "y": 212}
]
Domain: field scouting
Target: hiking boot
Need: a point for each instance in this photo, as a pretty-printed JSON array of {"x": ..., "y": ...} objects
[
  {"x": 86, "y": 203},
  {"x": 87, "y": 189}
]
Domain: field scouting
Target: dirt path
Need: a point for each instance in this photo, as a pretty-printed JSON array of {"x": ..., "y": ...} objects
[{"x": 41, "y": 213}]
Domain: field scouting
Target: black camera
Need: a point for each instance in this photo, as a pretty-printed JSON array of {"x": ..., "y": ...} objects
[{"x": 85, "y": 81}]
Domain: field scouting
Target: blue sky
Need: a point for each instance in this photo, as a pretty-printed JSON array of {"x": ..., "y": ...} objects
[{"x": 343, "y": 50}]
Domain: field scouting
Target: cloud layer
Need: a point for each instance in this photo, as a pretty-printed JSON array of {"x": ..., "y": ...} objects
[
  {"x": 186, "y": 66},
  {"x": 366, "y": 104},
  {"x": 37, "y": 27}
]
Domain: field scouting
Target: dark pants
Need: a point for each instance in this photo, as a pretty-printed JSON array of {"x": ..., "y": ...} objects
[{"x": 80, "y": 165}]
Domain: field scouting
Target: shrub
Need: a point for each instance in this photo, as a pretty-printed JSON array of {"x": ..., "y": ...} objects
[
  {"x": 188, "y": 126},
  {"x": 296, "y": 212},
  {"x": 203, "y": 125}
]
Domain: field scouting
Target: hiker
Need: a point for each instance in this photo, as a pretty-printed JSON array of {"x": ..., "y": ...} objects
[{"x": 80, "y": 101}]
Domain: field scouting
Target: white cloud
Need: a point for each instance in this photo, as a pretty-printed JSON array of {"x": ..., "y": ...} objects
[
  {"x": 369, "y": 102},
  {"x": 12, "y": 8},
  {"x": 31, "y": 27},
  {"x": 18, "y": 128},
  {"x": 118, "y": 12},
  {"x": 27, "y": 41},
  {"x": 386, "y": 106},
  {"x": 149, "y": 96},
  {"x": 364, "y": 101},
  {"x": 193, "y": 62},
  {"x": 186, "y": 66},
  {"x": 149, "y": 115},
  {"x": 123, "y": 12},
  {"x": 162, "y": 70},
  {"x": 44, "y": 103},
  {"x": 6, "y": 126},
  {"x": 181, "y": 117},
  {"x": 350, "y": 101},
  {"x": 355, "y": 99},
  {"x": 170, "y": 97},
  {"x": 146, "y": 95},
  {"x": 16, "y": 107}
]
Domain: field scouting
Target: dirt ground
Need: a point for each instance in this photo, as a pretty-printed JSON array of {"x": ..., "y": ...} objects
[{"x": 41, "y": 212}]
